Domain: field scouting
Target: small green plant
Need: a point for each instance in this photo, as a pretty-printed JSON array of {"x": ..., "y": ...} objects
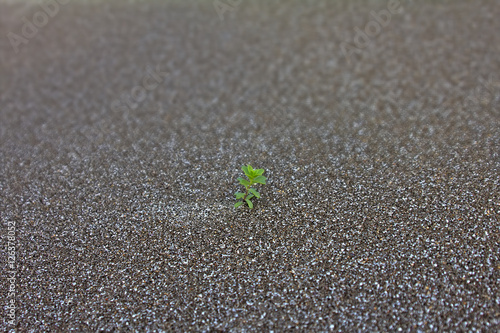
[{"x": 254, "y": 177}]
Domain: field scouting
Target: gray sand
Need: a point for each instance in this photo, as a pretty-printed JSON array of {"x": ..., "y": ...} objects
[{"x": 381, "y": 211}]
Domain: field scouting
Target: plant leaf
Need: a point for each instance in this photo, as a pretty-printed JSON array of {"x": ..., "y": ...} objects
[
  {"x": 243, "y": 181},
  {"x": 245, "y": 170},
  {"x": 239, "y": 195},
  {"x": 250, "y": 196},
  {"x": 254, "y": 192},
  {"x": 236, "y": 205},
  {"x": 259, "y": 171},
  {"x": 260, "y": 179},
  {"x": 250, "y": 204},
  {"x": 250, "y": 169}
]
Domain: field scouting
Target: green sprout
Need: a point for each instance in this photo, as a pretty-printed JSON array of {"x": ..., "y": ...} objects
[{"x": 254, "y": 177}]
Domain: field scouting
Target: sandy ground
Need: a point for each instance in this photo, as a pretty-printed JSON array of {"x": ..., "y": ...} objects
[{"x": 124, "y": 126}]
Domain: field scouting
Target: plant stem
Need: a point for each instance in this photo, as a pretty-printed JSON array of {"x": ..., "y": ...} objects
[{"x": 248, "y": 190}]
